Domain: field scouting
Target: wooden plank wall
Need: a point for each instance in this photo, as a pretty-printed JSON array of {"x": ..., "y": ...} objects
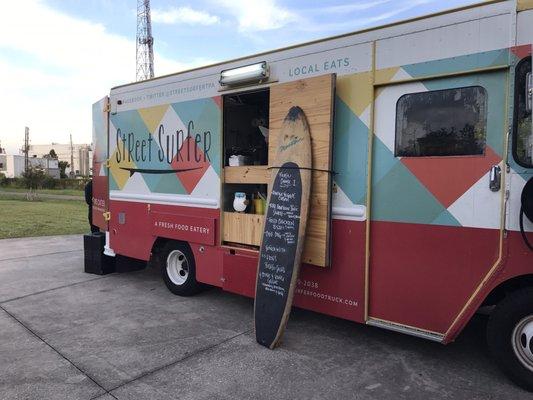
[
  {"x": 315, "y": 96},
  {"x": 247, "y": 174},
  {"x": 243, "y": 228}
]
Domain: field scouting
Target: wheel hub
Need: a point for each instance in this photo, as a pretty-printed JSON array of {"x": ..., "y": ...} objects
[
  {"x": 177, "y": 267},
  {"x": 523, "y": 342}
]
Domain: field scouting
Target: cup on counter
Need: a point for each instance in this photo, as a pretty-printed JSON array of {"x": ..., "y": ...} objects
[
  {"x": 238, "y": 160},
  {"x": 240, "y": 203}
]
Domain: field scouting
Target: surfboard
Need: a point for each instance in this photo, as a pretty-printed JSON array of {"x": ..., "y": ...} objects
[{"x": 284, "y": 229}]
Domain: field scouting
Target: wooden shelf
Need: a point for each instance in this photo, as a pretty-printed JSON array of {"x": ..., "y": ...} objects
[
  {"x": 243, "y": 228},
  {"x": 258, "y": 174}
]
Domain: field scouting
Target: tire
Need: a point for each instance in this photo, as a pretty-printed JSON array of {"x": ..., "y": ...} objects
[
  {"x": 510, "y": 337},
  {"x": 179, "y": 269}
]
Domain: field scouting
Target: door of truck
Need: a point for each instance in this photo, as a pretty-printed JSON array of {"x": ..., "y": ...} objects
[
  {"x": 436, "y": 215},
  {"x": 100, "y": 155}
]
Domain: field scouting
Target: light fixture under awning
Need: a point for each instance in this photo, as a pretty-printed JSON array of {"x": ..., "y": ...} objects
[{"x": 248, "y": 73}]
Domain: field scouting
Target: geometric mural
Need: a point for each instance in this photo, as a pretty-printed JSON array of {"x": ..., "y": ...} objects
[
  {"x": 182, "y": 141},
  {"x": 438, "y": 190},
  {"x": 99, "y": 138},
  {"x": 167, "y": 149}
]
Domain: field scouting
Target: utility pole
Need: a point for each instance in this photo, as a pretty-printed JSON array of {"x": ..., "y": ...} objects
[
  {"x": 145, "y": 42},
  {"x": 72, "y": 174},
  {"x": 26, "y": 149}
]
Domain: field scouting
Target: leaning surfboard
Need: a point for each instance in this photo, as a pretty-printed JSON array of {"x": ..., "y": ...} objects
[{"x": 284, "y": 229}]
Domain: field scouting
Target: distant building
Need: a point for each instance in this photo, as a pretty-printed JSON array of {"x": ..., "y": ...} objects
[
  {"x": 12, "y": 166},
  {"x": 82, "y": 154}
]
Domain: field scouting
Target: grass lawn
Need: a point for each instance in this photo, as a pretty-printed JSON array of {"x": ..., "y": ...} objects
[
  {"x": 22, "y": 218},
  {"x": 61, "y": 192}
]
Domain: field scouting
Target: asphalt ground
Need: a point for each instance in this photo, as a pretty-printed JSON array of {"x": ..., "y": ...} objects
[{"x": 65, "y": 334}]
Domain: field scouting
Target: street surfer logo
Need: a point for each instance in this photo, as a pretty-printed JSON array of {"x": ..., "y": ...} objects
[{"x": 179, "y": 146}]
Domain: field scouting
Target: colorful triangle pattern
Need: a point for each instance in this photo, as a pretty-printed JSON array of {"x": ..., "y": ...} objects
[{"x": 189, "y": 138}]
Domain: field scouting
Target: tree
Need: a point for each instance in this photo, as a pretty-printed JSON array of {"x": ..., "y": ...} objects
[
  {"x": 63, "y": 165},
  {"x": 53, "y": 154},
  {"x": 33, "y": 178}
]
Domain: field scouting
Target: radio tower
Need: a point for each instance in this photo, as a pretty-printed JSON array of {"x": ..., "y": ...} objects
[{"x": 145, "y": 42}]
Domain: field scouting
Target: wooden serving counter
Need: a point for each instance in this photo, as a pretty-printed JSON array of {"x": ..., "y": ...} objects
[{"x": 243, "y": 228}]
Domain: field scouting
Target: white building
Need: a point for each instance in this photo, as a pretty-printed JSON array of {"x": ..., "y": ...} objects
[
  {"x": 81, "y": 153},
  {"x": 12, "y": 166}
]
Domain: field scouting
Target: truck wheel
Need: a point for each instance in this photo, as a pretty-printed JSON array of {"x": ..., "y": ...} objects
[
  {"x": 510, "y": 337},
  {"x": 178, "y": 269}
]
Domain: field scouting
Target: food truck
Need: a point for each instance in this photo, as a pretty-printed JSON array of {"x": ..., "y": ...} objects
[{"x": 421, "y": 194}]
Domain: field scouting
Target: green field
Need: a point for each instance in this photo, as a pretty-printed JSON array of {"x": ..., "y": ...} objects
[
  {"x": 62, "y": 192},
  {"x": 22, "y": 218}
]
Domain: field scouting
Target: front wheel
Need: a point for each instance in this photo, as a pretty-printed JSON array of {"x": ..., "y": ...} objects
[
  {"x": 178, "y": 269},
  {"x": 510, "y": 336}
]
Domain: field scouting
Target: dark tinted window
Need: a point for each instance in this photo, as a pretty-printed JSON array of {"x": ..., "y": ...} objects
[
  {"x": 448, "y": 122},
  {"x": 523, "y": 140}
]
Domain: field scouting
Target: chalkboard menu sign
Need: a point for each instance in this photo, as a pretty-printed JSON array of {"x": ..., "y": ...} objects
[{"x": 278, "y": 253}]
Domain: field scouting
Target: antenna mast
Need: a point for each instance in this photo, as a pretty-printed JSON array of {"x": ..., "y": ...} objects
[{"x": 145, "y": 42}]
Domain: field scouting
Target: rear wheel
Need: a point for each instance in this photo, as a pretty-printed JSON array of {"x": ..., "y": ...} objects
[
  {"x": 179, "y": 269},
  {"x": 510, "y": 336}
]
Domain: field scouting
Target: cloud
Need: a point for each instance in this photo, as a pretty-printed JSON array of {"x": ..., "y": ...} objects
[
  {"x": 54, "y": 66},
  {"x": 258, "y": 15},
  {"x": 285, "y": 23},
  {"x": 358, "y": 21},
  {"x": 184, "y": 15},
  {"x": 349, "y": 8}
]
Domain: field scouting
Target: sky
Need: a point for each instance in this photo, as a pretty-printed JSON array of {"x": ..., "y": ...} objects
[{"x": 57, "y": 57}]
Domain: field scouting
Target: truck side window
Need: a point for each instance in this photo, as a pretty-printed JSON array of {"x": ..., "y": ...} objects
[
  {"x": 450, "y": 122},
  {"x": 523, "y": 134}
]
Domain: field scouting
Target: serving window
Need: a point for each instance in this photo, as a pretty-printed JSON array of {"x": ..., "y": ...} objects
[
  {"x": 246, "y": 128},
  {"x": 450, "y": 122},
  {"x": 252, "y": 123}
]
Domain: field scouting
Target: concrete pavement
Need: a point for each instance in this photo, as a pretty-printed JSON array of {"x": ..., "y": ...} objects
[{"x": 68, "y": 335}]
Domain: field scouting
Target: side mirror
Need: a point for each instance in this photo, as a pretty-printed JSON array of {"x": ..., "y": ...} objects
[
  {"x": 529, "y": 92},
  {"x": 529, "y": 108}
]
